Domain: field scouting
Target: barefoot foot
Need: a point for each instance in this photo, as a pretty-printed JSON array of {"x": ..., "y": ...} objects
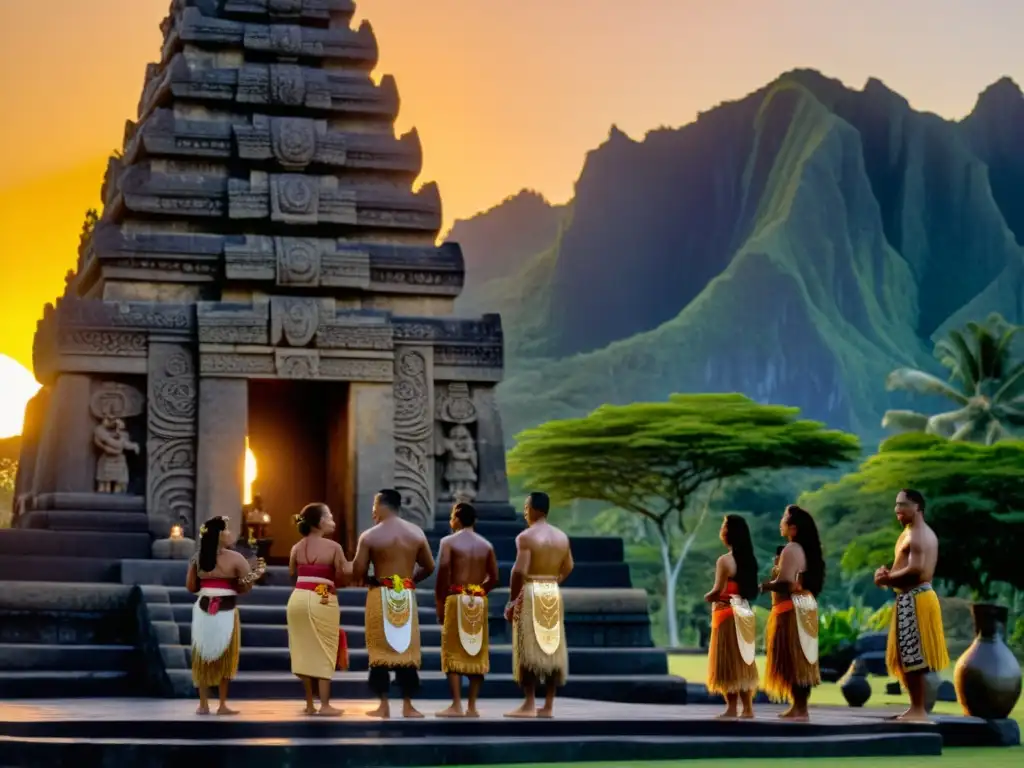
[
  {"x": 409, "y": 711},
  {"x": 309, "y": 710},
  {"x": 546, "y": 713},
  {"x": 326, "y": 710},
  {"x": 452, "y": 711},
  {"x": 223, "y": 709},
  {"x": 526, "y": 710},
  {"x": 472, "y": 713},
  {"x": 202, "y": 710},
  {"x": 383, "y": 712},
  {"x": 914, "y": 716},
  {"x": 748, "y": 715}
]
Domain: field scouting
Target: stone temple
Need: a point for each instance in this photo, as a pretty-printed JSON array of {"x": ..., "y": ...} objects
[
  {"x": 265, "y": 273},
  {"x": 263, "y": 268}
]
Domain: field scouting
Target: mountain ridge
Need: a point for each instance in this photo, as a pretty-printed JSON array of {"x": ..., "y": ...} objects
[{"x": 795, "y": 245}]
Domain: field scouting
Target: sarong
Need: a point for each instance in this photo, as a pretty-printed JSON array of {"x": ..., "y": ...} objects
[
  {"x": 916, "y": 642},
  {"x": 464, "y": 637},
  {"x": 216, "y": 634},
  {"x": 538, "y": 635},
  {"x": 731, "y": 667},
  {"x": 791, "y": 645},
  {"x": 392, "y": 628},
  {"x": 314, "y": 629}
]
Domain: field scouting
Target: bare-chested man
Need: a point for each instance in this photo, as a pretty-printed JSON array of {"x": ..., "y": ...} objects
[
  {"x": 467, "y": 570},
  {"x": 539, "y": 653},
  {"x": 917, "y": 644},
  {"x": 401, "y": 559}
]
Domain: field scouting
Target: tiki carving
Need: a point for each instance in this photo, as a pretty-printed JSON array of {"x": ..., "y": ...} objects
[
  {"x": 111, "y": 403},
  {"x": 455, "y": 413},
  {"x": 171, "y": 449},
  {"x": 414, "y": 433}
]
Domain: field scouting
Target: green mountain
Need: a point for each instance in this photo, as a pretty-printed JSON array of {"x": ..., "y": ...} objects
[{"x": 795, "y": 245}]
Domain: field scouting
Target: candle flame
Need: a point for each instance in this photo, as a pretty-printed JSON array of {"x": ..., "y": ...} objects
[{"x": 250, "y": 473}]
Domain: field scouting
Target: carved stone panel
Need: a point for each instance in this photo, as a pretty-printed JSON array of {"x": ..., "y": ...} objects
[
  {"x": 414, "y": 433},
  {"x": 297, "y": 363},
  {"x": 171, "y": 437},
  {"x": 298, "y": 261},
  {"x": 294, "y": 198},
  {"x": 455, "y": 441},
  {"x": 114, "y": 400},
  {"x": 295, "y": 321},
  {"x": 221, "y": 323}
]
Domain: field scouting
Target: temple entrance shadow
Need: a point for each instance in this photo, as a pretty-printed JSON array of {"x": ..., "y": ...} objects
[{"x": 298, "y": 434}]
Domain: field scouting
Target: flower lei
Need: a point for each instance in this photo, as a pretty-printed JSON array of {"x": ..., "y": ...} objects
[
  {"x": 398, "y": 584},
  {"x": 325, "y": 593},
  {"x": 473, "y": 590}
]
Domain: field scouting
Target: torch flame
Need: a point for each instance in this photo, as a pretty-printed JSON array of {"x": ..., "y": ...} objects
[{"x": 250, "y": 472}]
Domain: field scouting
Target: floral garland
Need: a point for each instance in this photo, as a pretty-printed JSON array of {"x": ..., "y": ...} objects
[
  {"x": 473, "y": 590},
  {"x": 325, "y": 593},
  {"x": 397, "y": 584}
]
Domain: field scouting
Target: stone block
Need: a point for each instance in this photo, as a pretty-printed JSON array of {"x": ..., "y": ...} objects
[{"x": 173, "y": 549}]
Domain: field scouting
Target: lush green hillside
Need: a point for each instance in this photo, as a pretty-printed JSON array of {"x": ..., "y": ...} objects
[{"x": 795, "y": 246}]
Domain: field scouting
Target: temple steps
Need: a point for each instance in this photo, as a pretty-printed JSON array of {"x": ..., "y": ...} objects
[
  {"x": 85, "y": 520},
  {"x": 45, "y": 568},
  {"x": 66, "y": 684},
  {"x": 98, "y": 545},
  {"x": 22, "y": 657}
]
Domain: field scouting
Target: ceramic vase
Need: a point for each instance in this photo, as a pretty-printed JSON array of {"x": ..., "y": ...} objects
[
  {"x": 987, "y": 676},
  {"x": 854, "y": 685}
]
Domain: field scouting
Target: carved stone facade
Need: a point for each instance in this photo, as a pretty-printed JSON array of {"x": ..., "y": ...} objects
[{"x": 261, "y": 233}]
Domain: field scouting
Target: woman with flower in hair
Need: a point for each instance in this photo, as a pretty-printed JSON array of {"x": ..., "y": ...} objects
[
  {"x": 217, "y": 575},
  {"x": 315, "y": 639}
]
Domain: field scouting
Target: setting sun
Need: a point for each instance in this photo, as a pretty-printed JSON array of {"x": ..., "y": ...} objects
[{"x": 17, "y": 388}]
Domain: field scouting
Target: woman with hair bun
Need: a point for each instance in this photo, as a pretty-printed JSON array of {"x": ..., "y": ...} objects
[
  {"x": 315, "y": 639},
  {"x": 731, "y": 668},
  {"x": 217, "y": 575},
  {"x": 791, "y": 637}
]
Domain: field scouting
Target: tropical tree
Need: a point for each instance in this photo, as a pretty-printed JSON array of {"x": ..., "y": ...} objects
[
  {"x": 664, "y": 462},
  {"x": 975, "y": 505},
  {"x": 985, "y": 385}
]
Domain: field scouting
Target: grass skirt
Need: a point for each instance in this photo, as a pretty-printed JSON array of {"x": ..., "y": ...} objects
[
  {"x": 208, "y": 673},
  {"x": 380, "y": 651},
  {"x": 454, "y": 657},
  {"x": 931, "y": 652},
  {"x": 786, "y": 667},
  {"x": 313, "y": 634},
  {"x": 727, "y": 671},
  {"x": 529, "y": 659}
]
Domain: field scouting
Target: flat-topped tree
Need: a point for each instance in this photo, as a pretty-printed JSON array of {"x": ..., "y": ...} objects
[
  {"x": 657, "y": 459},
  {"x": 263, "y": 269}
]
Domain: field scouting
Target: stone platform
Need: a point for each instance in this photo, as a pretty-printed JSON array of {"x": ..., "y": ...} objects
[{"x": 154, "y": 733}]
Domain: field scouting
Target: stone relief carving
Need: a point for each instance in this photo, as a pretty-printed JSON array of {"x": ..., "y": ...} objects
[
  {"x": 114, "y": 343},
  {"x": 171, "y": 449},
  {"x": 116, "y": 401},
  {"x": 455, "y": 411},
  {"x": 287, "y": 85},
  {"x": 294, "y": 199},
  {"x": 111, "y": 440},
  {"x": 297, "y": 363},
  {"x": 294, "y": 321},
  {"x": 413, "y": 436},
  {"x": 293, "y": 141},
  {"x": 298, "y": 261}
]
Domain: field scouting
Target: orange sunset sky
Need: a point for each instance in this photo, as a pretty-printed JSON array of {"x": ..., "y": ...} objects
[{"x": 506, "y": 93}]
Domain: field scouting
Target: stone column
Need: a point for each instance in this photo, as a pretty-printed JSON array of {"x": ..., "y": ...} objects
[
  {"x": 66, "y": 459},
  {"x": 35, "y": 417},
  {"x": 171, "y": 405},
  {"x": 414, "y": 433},
  {"x": 371, "y": 415},
  {"x": 490, "y": 447},
  {"x": 223, "y": 425}
]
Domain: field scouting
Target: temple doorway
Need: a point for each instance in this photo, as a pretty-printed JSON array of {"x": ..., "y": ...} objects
[{"x": 298, "y": 435}]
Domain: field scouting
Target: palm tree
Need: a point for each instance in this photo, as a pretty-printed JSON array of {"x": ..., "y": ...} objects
[{"x": 985, "y": 383}]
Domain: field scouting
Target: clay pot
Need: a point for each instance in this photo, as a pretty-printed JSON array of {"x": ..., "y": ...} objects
[
  {"x": 987, "y": 676},
  {"x": 854, "y": 684}
]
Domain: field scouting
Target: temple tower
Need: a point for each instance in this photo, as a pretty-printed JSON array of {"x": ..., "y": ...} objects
[{"x": 263, "y": 269}]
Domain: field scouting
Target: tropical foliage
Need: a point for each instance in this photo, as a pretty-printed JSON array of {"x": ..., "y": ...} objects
[
  {"x": 975, "y": 505},
  {"x": 666, "y": 462},
  {"x": 985, "y": 385},
  {"x": 8, "y": 470}
]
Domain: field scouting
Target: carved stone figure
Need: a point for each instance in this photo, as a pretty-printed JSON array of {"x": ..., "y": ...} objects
[
  {"x": 111, "y": 439},
  {"x": 460, "y": 464}
]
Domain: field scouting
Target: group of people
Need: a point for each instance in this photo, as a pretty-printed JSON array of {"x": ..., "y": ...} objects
[
  {"x": 916, "y": 643},
  {"x": 399, "y": 556}
]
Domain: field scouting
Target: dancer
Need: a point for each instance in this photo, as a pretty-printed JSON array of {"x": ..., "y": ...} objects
[
  {"x": 539, "y": 653},
  {"x": 217, "y": 575},
  {"x": 315, "y": 638},
  {"x": 467, "y": 570},
  {"x": 401, "y": 559},
  {"x": 731, "y": 668},
  {"x": 791, "y": 637},
  {"x": 917, "y": 644}
]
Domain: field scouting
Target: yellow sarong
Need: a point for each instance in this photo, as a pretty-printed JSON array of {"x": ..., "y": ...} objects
[
  {"x": 313, "y": 622},
  {"x": 392, "y": 628},
  {"x": 791, "y": 647},
  {"x": 917, "y": 642},
  {"x": 538, "y": 635},
  {"x": 464, "y": 637}
]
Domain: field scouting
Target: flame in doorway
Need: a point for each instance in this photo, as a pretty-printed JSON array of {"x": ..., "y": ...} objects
[{"x": 250, "y": 472}]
